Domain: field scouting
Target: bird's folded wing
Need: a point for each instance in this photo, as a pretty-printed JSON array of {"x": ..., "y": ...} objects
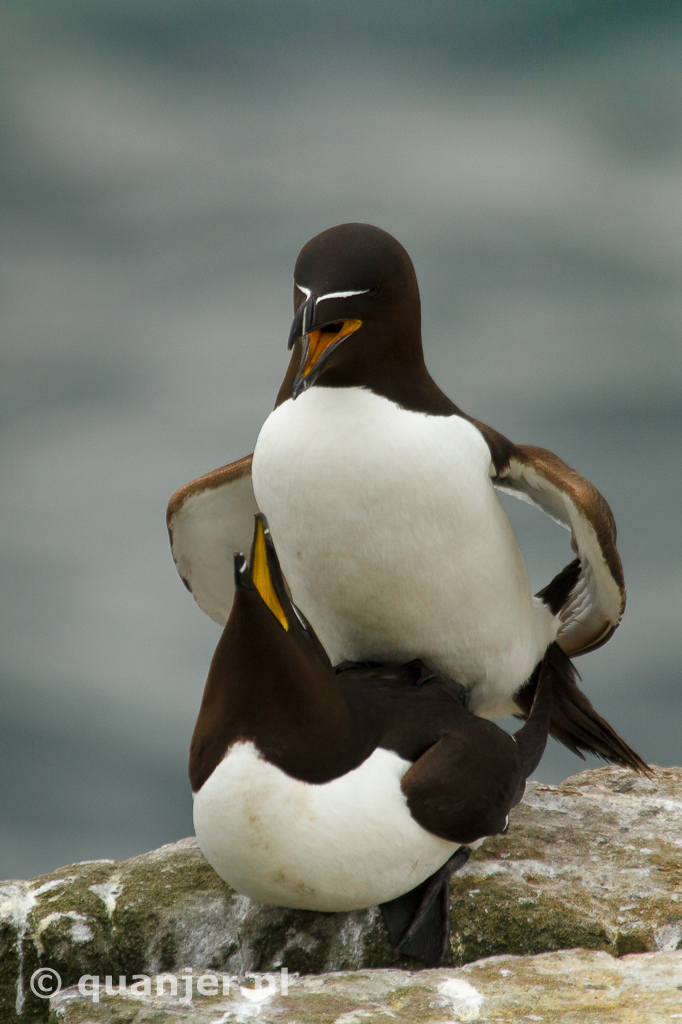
[
  {"x": 208, "y": 520},
  {"x": 463, "y": 787},
  {"x": 588, "y": 595}
]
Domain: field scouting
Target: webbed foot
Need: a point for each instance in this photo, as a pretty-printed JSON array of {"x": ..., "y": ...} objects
[{"x": 418, "y": 922}]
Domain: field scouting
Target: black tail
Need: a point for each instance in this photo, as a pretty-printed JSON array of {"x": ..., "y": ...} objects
[{"x": 573, "y": 720}]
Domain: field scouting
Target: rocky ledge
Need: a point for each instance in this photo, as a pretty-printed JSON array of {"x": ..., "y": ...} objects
[
  {"x": 594, "y": 864},
  {"x": 569, "y": 987}
]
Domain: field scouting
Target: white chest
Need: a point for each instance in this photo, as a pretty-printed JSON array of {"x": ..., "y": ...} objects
[
  {"x": 347, "y": 844},
  {"x": 394, "y": 542}
]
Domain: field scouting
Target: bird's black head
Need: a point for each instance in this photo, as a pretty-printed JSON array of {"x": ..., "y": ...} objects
[
  {"x": 260, "y": 587},
  {"x": 357, "y": 313},
  {"x": 270, "y": 677},
  {"x": 354, "y": 261}
]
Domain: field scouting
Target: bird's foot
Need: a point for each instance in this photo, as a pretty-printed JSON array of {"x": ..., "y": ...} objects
[{"x": 418, "y": 922}]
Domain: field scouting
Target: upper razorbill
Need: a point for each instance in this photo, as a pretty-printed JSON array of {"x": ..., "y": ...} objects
[
  {"x": 329, "y": 790},
  {"x": 380, "y": 493}
]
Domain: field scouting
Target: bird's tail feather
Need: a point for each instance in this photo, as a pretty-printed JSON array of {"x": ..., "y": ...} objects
[{"x": 573, "y": 720}]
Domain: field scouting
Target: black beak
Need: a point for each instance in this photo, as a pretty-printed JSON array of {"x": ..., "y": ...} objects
[
  {"x": 315, "y": 353},
  {"x": 242, "y": 575},
  {"x": 242, "y": 566},
  {"x": 302, "y": 322}
]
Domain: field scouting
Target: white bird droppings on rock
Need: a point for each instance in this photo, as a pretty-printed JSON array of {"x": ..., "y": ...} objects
[
  {"x": 566, "y": 987},
  {"x": 535, "y": 890},
  {"x": 461, "y": 998},
  {"x": 108, "y": 892}
]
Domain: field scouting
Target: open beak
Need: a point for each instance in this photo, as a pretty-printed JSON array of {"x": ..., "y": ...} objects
[
  {"x": 266, "y": 573},
  {"x": 319, "y": 342}
]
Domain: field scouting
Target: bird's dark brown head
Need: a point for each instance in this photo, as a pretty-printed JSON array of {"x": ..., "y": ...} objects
[
  {"x": 357, "y": 319},
  {"x": 270, "y": 679},
  {"x": 360, "y": 259},
  {"x": 260, "y": 587}
]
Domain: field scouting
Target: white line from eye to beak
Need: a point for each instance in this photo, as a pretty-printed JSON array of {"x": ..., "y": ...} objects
[
  {"x": 342, "y": 295},
  {"x": 331, "y": 295}
]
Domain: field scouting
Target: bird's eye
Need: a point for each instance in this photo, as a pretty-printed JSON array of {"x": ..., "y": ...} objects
[{"x": 372, "y": 292}]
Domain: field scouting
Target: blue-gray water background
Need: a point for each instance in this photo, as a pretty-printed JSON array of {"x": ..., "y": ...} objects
[{"x": 164, "y": 162}]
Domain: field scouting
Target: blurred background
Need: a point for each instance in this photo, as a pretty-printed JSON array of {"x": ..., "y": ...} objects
[{"x": 165, "y": 160}]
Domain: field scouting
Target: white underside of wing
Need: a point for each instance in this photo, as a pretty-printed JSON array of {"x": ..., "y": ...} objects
[
  {"x": 553, "y": 509},
  {"x": 594, "y": 607},
  {"x": 206, "y": 531}
]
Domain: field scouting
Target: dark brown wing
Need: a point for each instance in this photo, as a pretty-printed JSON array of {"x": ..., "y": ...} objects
[{"x": 464, "y": 786}]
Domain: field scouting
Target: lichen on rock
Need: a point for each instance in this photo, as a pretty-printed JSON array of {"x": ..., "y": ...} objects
[
  {"x": 576, "y": 986},
  {"x": 594, "y": 863}
]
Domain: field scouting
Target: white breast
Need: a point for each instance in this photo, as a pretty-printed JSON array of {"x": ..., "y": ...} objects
[
  {"x": 347, "y": 844},
  {"x": 394, "y": 542}
]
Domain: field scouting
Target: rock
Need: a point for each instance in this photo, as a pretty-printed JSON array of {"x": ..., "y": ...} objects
[
  {"x": 577, "y": 986},
  {"x": 593, "y": 863},
  {"x": 160, "y": 912}
]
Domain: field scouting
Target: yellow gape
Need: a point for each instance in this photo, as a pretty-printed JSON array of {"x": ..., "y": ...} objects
[
  {"x": 260, "y": 574},
  {"x": 323, "y": 338}
]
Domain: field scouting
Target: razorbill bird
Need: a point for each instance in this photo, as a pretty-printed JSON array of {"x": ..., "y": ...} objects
[
  {"x": 381, "y": 495},
  {"x": 335, "y": 790}
]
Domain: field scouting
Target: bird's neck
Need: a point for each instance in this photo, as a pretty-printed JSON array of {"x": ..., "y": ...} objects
[{"x": 264, "y": 689}]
